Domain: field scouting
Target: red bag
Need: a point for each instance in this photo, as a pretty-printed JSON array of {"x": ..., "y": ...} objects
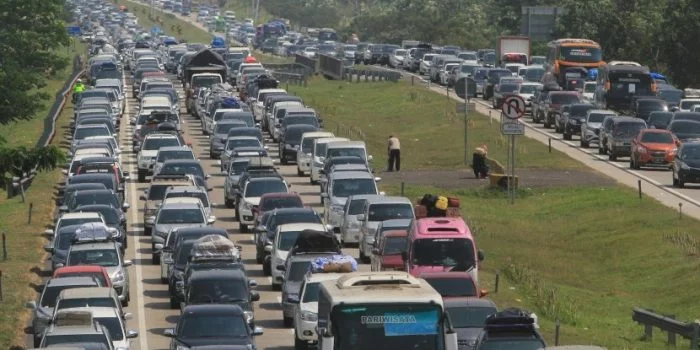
[{"x": 453, "y": 202}]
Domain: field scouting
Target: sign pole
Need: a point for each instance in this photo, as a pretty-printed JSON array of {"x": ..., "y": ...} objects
[
  {"x": 512, "y": 168},
  {"x": 513, "y": 109}
]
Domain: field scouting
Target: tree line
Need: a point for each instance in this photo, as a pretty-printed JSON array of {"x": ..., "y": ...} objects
[
  {"x": 660, "y": 34},
  {"x": 31, "y": 34}
]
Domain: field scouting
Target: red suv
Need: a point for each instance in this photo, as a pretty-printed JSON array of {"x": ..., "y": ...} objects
[
  {"x": 556, "y": 100},
  {"x": 653, "y": 148},
  {"x": 272, "y": 201}
]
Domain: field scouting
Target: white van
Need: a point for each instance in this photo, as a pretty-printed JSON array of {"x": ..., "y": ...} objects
[
  {"x": 319, "y": 156},
  {"x": 304, "y": 156}
]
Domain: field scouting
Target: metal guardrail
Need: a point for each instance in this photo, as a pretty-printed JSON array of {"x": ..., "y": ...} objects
[
  {"x": 19, "y": 185},
  {"x": 331, "y": 67},
  {"x": 307, "y": 62},
  {"x": 293, "y": 78},
  {"x": 649, "y": 319},
  {"x": 357, "y": 75}
]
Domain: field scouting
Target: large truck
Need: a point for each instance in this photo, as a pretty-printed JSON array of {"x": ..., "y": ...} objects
[
  {"x": 204, "y": 69},
  {"x": 513, "y": 49}
]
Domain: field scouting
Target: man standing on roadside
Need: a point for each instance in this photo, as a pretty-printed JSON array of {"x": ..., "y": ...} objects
[{"x": 394, "y": 149}]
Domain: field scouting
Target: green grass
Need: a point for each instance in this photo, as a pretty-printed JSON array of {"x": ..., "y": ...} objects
[
  {"x": 586, "y": 256},
  {"x": 244, "y": 9},
  {"x": 27, "y": 132},
  {"x": 24, "y": 242},
  {"x": 430, "y": 129}
]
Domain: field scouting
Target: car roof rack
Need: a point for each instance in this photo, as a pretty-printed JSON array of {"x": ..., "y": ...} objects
[{"x": 94, "y": 232}]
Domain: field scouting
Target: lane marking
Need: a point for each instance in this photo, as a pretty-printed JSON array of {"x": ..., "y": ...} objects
[{"x": 143, "y": 335}]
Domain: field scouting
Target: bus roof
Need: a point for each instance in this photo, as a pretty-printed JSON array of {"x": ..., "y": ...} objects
[
  {"x": 574, "y": 41},
  {"x": 442, "y": 227},
  {"x": 380, "y": 288}
]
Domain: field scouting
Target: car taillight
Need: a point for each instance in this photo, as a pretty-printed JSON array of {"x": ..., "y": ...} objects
[{"x": 255, "y": 210}]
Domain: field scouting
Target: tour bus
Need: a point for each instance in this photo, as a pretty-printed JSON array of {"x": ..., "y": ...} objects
[
  {"x": 617, "y": 84},
  {"x": 327, "y": 34},
  {"x": 437, "y": 244},
  {"x": 382, "y": 310},
  {"x": 566, "y": 53}
]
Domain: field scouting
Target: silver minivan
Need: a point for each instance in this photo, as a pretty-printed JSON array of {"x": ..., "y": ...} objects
[
  {"x": 350, "y": 226},
  {"x": 376, "y": 210},
  {"x": 319, "y": 156}
]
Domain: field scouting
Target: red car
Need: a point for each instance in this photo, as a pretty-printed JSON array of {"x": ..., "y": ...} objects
[
  {"x": 98, "y": 272},
  {"x": 653, "y": 148},
  {"x": 386, "y": 256},
  {"x": 453, "y": 284},
  {"x": 272, "y": 201}
]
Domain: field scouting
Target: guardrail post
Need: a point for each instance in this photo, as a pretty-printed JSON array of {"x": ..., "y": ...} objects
[
  {"x": 402, "y": 187},
  {"x": 4, "y": 246},
  {"x": 412, "y": 80},
  {"x": 680, "y": 211},
  {"x": 639, "y": 187},
  {"x": 29, "y": 214},
  {"x": 498, "y": 277},
  {"x": 695, "y": 336},
  {"x": 1, "y": 297},
  {"x": 648, "y": 329},
  {"x": 671, "y": 335},
  {"x": 556, "y": 333},
  {"x": 549, "y": 141}
]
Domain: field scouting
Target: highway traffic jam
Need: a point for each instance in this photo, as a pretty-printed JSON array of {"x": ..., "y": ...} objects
[{"x": 303, "y": 249}]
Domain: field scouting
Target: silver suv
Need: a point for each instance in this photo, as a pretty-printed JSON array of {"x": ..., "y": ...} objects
[
  {"x": 108, "y": 255},
  {"x": 173, "y": 215}
]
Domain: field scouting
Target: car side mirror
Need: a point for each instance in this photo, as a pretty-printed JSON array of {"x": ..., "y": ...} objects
[
  {"x": 324, "y": 195},
  {"x": 361, "y": 217},
  {"x": 370, "y": 158},
  {"x": 127, "y": 263},
  {"x": 483, "y": 293},
  {"x": 258, "y": 331},
  {"x": 127, "y": 316},
  {"x": 142, "y": 197},
  {"x": 377, "y": 179},
  {"x": 404, "y": 256},
  {"x": 480, "y": 255},
  {"x": 211, "y": 220},
  {"x": 170, "y": 332},
  {"x": 376, "y": 251},
  {"x": 125, "y": 206},
  {"x": 48, "y": 248},
  {"x": 293, "y": 299},
  {"x": 48, "y": 233},
  {"x": 254, "y": 296},
  {"x": 252, "y": 283},
  {"x": 131, "y": 334},
  {"x": 30, "y": 305},
  {"x": 268, "y": 249}
]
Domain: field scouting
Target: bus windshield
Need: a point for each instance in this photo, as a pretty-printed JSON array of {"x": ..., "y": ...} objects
[
  {"x": 397, "y": 326},
  {"x": 580, "y": 54}
]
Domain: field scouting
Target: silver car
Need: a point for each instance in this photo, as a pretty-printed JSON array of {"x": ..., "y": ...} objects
[
  {"x": 176, "y": 215},
  {"x": 350, "y": 227},
  {"x": 376, "y": 210},
  {"x": 107, "y": 254},
  {"x": 590, "y": 128}
]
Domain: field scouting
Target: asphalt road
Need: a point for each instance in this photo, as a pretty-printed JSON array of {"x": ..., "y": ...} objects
[{"x": 149, "y": 302}]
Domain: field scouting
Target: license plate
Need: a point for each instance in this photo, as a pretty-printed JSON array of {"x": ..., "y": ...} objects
[{"x": 658, "y": 160}]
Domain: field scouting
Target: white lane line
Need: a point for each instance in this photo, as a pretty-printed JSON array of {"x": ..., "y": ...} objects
[
  {"x": 269, "y": 280},
  {"x": 279, "y": 299},
  {"x": 143, "y": 335}
]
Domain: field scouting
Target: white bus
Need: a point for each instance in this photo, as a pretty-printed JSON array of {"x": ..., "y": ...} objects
[{"x": 382, "y": 310}]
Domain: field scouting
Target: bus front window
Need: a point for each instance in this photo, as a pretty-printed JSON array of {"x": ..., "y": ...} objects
[
  {"x": 387, "y": 326},
  {"x": 581, "y": 54}
]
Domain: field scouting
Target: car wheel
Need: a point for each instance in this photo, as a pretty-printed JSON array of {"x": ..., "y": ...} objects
[
  {"x": 173, "y": 303},
  {"x": 298, "y": 343},
  {"x": 146, "y": 231},
  {"x": 125, "y": 302},
  {"x": 547, "y": 125},
  {"x": 142, "y": 175},
  {"x": 244, "y": 228},
  {"x": 155, "y": 259},
  {"x": 288, "y": 321},
  {"x": 228, "y": 203},
  {"x": 267, "y": 270},
  {"x": 584, "y": 144},
  {"x": 276, "y": 287},
  {"x": 567, "y": 136},
  {"x": 612, "y": 156},
  {"x": 258, "y": 258}
]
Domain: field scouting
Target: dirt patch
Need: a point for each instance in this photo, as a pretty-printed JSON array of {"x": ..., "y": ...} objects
[{"x": 533, "y": 178}]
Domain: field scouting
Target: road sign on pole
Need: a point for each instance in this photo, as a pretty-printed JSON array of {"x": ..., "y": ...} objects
[{"x": 513, "y": 107}]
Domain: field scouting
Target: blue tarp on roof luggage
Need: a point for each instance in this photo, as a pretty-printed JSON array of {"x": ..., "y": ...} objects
[{"x": 218, "y": 41}]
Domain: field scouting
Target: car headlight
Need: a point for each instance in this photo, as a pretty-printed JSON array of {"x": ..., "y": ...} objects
[
  {"x": 247, "y": 206},
  {"x": 248, "y": 316},
  {"x": 685, "y": 166},
  {"x": 309, "y": 316},
  {"x": 118, "y": 277},
  {"x": 642, "y": 150},
  {"x": 180, "y": 347}
]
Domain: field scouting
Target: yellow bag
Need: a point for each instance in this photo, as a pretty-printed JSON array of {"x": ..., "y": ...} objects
[{"x": 442, "y": 203}]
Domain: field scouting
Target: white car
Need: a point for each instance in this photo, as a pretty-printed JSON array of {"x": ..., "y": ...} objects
[
  {"x": 109, "y": 317},
  {"x": 285, "y": 237},
  {"x": 341, "y": 186},
  {"x": 425, "y": 63},
  {"x": 589, "y": 90},
  {"x": 527, "y": 91},
  {"x": 252, "y": 191},
  {"x": 304, "y": 156},
  {"x": 306, "y": 314},
  {"x": 319, "y": 156},
  {"x": 148, "y": 152}
]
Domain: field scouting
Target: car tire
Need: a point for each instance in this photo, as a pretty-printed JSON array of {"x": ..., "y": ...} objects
[
  {"x": 125, "y": 302},
  {"x": 276, "y": 287},
  {"x": 258, "y": 258},
  {"x": 299, "y": 344},
  {"x": 163, "y": 280},
  {"x": 174, "y": 304},
  {"x": 546, "y": 124},
  {"x": 228, "y": 203},
  {"x": 601, "y": 151},
  {"x": 267, "y": 269},
  {"x": 567, "y": 136},
  {"x": 244, "y": 228},
  {"x": 612, "y": 156},
  {"x": 584, "y": 144},
  {"x": 142, "y": 176},
  {"x": 288, "y": 321},
  {"x": 299, "y": 172},
  {"x": 211, "y": 155},
  {"x": 147, "y": 231},
  {"x": 155, "y": 259}
]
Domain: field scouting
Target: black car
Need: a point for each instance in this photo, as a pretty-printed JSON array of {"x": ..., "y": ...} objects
[
  {"x": 212, "y": 324},
  {"x": 512, "y": 329},
  {"x": 659, "y": 120},
  {"x": 468, "y": 318},
  {"x": 671, "y": 95},
  {"x": 183, "y": 234},
  {"x": 571, "y": 118},
  {"x": 188, "y": 167},
  {"x": 265, "y": 232},
  {"x": 90, "y": 197},
  {"x": 60, "y": 243},
  {"x": 685, "y": 130},
  {"x": 296, "y": 269},
  {"x": 641, "y": 107},
  {"x": 686, "y": 165},
  {"x": 215, "y": 286},
  {"x": 492, "y": 79},
  {"x": 291, "y": 139},
  {"x": 108, "y": 180},
  {"x": 69, "y": 190},
  {"x": 503, "y": 91},
  {"x": 176, "y": 284}
]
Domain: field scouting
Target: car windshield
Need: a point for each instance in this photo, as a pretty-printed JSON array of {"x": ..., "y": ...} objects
[
  {"x": 468, "y": 69},
  {"x": 50, "y": 296},
  {"x": 596, "y": 117},
  {"x": 657, "y": 137},
  {"x": 394, "y": 245},
  {"x": 509, "y": 88},
  {"x": 453, "y": 287},
  {"x": 86, "y": 302},
  {"x": 113, "y": 326},
  {"x": 213, "y": 291},
  {"x": 580, "y": 111},
  {"x": 180, "y": 216},
  {"x": 259, "y": 188},
  {"x": 152, "y": 144},
  {"x": 627, "y": 129},
  {"x": 469, "y": 317},
  {"x": 183, "y": 252},
  {"x": 506, "y": 344},
  {"x": 298, "y": 270},
  {"x": 236, "y": 143},
  {"x": 580, "y": 54},
  {"x": 685, "y": 128},
  {"x": 344, "y": 188},
  {"x": 444, "y": 252},
  {"x": 238, "y": 168},
  {"x": 212, "y": 326},
  {"x": 205, "y": 81},
  {"x": 76, "y": 221},
  {"x": 294, "y": 218},
  {"x": 64, "y": 240},
  {"x": 346, "y": 152},
  {"x": 307, "y": 144},
  {"x": 311, "y": 292},
  {"x": 660, "y": 117},
  {"x": 388, "y": 211},
  {"x": 528, "y": 89},
  {"x": 223, "y": 128},
  {"x": 185, "y": 168},
  {"x": 106, "y": 198},
  {"x": 111, "y": 216},
  {"x": 564, "y": 99},
  {"x": 199, "y": 195},
  {"x": 671, "y": 95},
  {"x": 82, "y": 133},
  {"x": 287, "y": 239},
  {"x": 99, "y": 257},
  {"x": 167, "y": 155},
  {"x": 281, "y": 202},
  {"x": 356, "y": 206},
  {"x": 90, "y": 341}
]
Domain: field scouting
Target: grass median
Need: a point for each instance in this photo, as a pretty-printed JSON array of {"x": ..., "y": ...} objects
[
  {"x": 585, "y": 256},
  {"x": 429, "y": 127},
  {"x": 22, "y": 271}
]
